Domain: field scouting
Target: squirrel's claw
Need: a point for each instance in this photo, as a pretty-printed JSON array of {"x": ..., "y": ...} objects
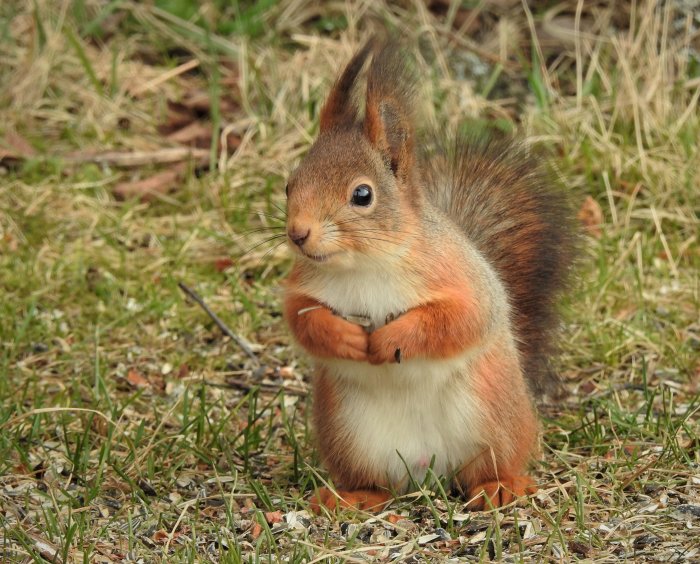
[{"x": 383, "y": 352}]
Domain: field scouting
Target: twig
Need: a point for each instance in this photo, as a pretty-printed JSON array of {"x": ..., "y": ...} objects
[
  {"x": 140, "y": 158},
  {"x": 151, "y": 187},
  {"x": 265, "y": 388},
  {"x": 46, "y": 550},
  {"x": 215, "y": 318}
]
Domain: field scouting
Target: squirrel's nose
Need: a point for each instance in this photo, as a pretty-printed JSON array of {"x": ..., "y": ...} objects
[{"x": 299, "y": 235}]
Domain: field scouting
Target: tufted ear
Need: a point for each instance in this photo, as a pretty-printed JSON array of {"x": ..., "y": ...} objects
[
  {"x": 389, "y": 109},
  {"x": 339, "y": 109}
]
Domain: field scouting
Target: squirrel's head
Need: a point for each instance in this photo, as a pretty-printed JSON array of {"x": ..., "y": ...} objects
[{"x": 356, "y": 193}]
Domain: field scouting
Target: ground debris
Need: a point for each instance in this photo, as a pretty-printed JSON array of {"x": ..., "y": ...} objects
[{"x": 145, "y": 143}]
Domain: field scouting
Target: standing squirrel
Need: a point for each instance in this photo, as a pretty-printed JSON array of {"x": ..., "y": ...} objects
[{"x": 424, "y": 287}]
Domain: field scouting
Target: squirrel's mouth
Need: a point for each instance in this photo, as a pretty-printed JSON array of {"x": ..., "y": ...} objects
[{"x": 317, "y": 258}]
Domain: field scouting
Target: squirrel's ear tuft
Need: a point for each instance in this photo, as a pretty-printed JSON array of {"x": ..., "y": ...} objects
[
  {"x": 389, "y": 110},
  {"x": 339, "y": 109}
]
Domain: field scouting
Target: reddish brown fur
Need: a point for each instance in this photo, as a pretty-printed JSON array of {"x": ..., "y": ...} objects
[
  {"x": 500, "y": 199},
  {"x": 497, "y": 493},
  {"x": 509, "y": 208},
  {"x": 364, "y": 500},
  {"x": 339, "y": 111},
  {"x": 322, "y": 333},
  {"x": 513, "y": 426},
  {"x": 388, "y": 122},
  {"x": 441, "y": 328}
]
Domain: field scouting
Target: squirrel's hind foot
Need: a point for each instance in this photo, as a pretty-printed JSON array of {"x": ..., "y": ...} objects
[
  {"x": 498, "y": 493},
  {"x": 363, "y": 500}
]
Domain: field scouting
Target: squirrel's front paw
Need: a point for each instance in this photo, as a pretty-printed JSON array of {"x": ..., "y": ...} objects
[
  {"x": 329, "y": 336},
  {"x": 385, "y": 344},
  {"x": 352, "y": 341}
]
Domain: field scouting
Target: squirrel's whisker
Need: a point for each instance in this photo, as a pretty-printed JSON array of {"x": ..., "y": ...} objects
[{"x": 261, "y": 243}]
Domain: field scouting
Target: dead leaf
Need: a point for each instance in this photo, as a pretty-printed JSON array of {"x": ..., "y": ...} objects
[
  {"x": 212, "y": 512},
  {"x": 148, "y": 188},
  {"x": 197, "y": 101},
  {"x": 11, "y": 242},
  {"x": 256, "y": 530},
  {"x": 19, "y": 143},
  {"x": 625, "y": 313},
  {"x": 591, "y": 216},
  {"x": 176, "y": 119},
  {"x": 199, "y": 104},
  {"x": 222, "y": 264},
  {"x": 195, "y": 134},
  {"x": 160, "y": 536},
  {"x": 22, "y": 468},
  {"x": 198, "y": 134},
  {"x": 100, "y": 426},
  {"x": 14, "y": 148},
  {"x": 136, "y": 379},
  {"x": 579, "y": 548},
  {"x": 183, "y": 371},
  {"x": 273, "y": 517},
  {"x": 157, "y": 382},
  {"x": 393, "y": 518},
  {"x": 188, "y": 120}
]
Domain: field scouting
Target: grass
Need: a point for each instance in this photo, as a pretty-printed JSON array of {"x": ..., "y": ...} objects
[{"x": 131, "y": 429}]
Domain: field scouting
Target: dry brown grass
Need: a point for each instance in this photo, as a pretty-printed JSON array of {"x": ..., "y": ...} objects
[{"x": 130, "y": 429}]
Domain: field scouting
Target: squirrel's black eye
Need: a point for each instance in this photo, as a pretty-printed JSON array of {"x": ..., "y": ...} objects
[
  {"x": 362, "y": 196},
  {"x": 286, "y": 190}
]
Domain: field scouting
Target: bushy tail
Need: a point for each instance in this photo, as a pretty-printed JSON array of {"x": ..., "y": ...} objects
[{"x": 501, "y": 197}]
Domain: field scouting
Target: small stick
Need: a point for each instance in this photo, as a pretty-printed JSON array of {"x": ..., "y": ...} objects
[
  {"x": 215, "y": 318},
  {"x": 130, "y": 159},
  {"x": 47, "y": 551}
]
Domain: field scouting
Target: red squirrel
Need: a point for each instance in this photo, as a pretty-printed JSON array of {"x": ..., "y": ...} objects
[{"x": 424, "y": 288}]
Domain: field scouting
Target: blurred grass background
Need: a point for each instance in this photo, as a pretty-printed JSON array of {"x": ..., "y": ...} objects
[{"x": 146, "y": 144}]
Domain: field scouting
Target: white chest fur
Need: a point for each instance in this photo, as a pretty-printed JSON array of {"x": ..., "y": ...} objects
[
  {"x": 400, "y": 417},
  {"x": 366, "y": 292}
]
